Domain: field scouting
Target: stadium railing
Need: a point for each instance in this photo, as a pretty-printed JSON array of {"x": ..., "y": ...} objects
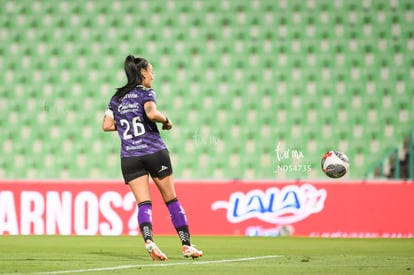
[{"x": 392, "y": 166}]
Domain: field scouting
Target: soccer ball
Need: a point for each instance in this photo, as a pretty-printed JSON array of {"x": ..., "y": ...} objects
[{"x": 335, "y": 164}]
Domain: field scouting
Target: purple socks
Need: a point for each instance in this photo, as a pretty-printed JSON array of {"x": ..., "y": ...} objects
[
  {"x": 145, "y": 219},
  {"x": 178, "y": 218},
  {"x": 145, "y": 213},
  {"x": 177, "y": 213}
]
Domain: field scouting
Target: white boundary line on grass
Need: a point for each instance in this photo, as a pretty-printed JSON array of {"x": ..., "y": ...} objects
[{"x": 164, "y": 264}]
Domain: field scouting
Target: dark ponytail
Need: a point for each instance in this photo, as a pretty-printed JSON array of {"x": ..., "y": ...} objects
[{"x": 132, "y": 68}]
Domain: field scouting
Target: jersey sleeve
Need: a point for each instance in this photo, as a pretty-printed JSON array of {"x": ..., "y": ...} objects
[
  {"x": 149, "y": 95},
  {"x": 109, "y": 111}
]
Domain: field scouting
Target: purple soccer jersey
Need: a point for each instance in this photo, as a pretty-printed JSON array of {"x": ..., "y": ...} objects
[{"x": 139, "y": 135}]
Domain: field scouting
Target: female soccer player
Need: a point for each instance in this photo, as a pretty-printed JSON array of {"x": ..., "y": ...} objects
[{"x": 132, "y": 111}]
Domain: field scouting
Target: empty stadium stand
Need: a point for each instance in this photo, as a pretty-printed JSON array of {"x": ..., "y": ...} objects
[{"x": 238, "y": 78}]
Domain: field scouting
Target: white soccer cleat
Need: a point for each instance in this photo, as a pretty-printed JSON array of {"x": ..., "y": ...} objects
[
  {"x": 155, "y": 252},
  {"x": 191, "y": 251}
]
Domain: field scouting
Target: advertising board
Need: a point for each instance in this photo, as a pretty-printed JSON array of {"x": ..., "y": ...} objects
[{"x": 256, "y": 208}]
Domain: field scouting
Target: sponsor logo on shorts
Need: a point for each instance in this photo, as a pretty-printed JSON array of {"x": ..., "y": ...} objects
[{"x": 163, "y": 168}]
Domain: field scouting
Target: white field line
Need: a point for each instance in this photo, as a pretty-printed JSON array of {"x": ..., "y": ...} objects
[{"x": 164, "y": 264}]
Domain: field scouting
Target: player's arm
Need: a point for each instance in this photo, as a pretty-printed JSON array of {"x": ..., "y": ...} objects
[
  {"x": 153, "y": 114},
  {"x": 109, "y": 123}
]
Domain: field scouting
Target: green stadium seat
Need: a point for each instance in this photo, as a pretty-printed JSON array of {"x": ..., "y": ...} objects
[{"x": 331, "y": 74}]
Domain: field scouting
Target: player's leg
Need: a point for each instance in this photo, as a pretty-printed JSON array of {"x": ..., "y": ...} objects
[
  {"x": 179, "y": 218},
  {"x": 140, "y": 189},
  {"x": 136, "y": 176},
  {"x": 160, "y": 168}
]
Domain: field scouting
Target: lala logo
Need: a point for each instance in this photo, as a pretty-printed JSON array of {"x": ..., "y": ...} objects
[{"x": 286, "y": 206}]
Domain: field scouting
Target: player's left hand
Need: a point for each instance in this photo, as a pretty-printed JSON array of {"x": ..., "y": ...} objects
[{"x": 167, "y": 126}]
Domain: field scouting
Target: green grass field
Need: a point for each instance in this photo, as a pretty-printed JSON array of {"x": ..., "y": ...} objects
[{"x": 222, "y": 255}]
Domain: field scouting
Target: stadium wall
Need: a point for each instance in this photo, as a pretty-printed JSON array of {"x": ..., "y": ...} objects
[{"x": 254, "y": 208}]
